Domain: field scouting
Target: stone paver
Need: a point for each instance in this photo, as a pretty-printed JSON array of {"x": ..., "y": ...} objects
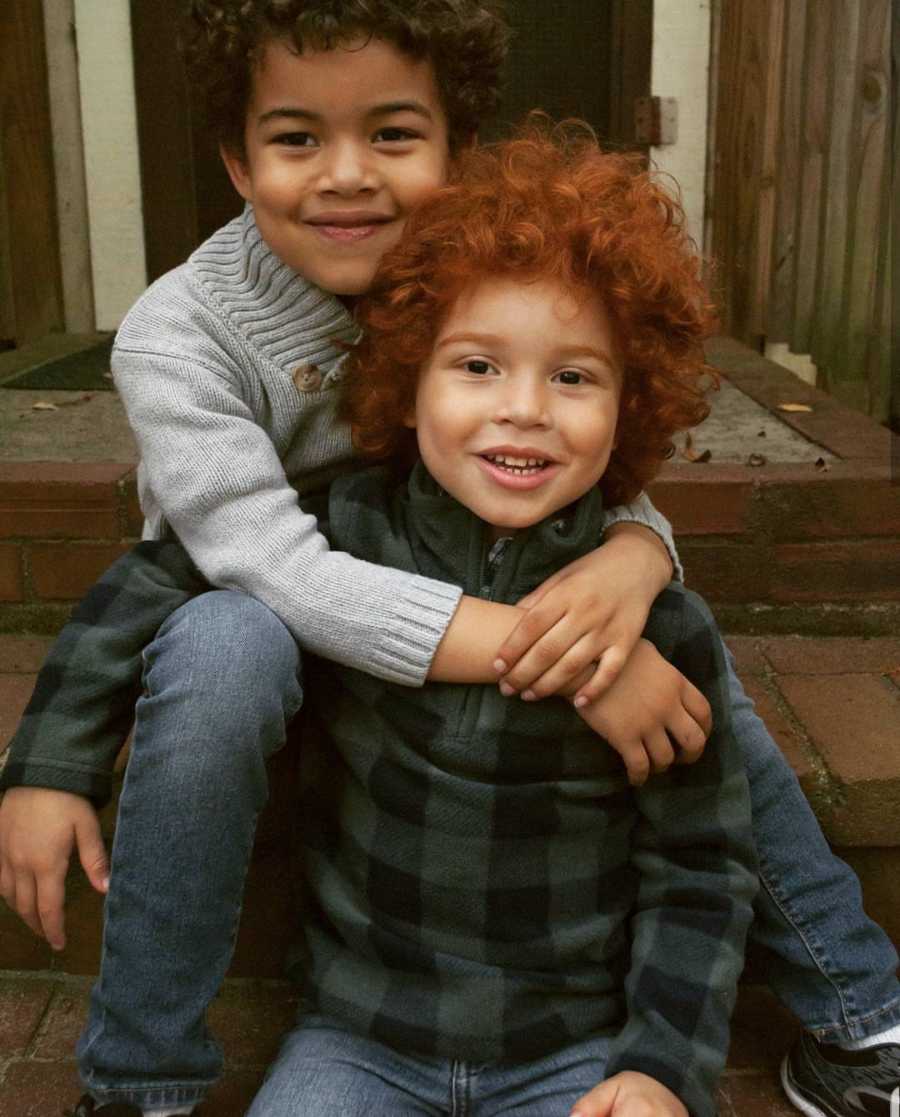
[{"x": 22, "y": 1005}]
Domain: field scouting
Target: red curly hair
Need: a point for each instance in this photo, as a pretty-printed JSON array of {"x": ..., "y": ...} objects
[{"x": 547, "y": 203}]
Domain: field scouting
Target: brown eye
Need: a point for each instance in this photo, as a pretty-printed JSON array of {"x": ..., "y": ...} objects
[
  {"x": 570, "y": 376},
  {"x": 480, "y": 368}
]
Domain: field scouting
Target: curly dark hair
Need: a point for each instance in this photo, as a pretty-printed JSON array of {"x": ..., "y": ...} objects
[
  {"x": 465, "y": 40},
  {"x": 547, "y": 203}
]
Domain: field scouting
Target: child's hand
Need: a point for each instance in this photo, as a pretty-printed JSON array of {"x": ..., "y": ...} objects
[
  {"x": 630, "y": 1094},
  {"x": 591, "y": 612},
  {"x": 38, "y": 828},
  {"x": 649, "y": 703}
]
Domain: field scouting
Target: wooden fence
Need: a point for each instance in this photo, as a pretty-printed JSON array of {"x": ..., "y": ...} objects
[{"x": 800, "y": 185}]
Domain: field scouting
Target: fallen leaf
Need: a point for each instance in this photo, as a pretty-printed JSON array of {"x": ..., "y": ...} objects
[
  {"x": 794, "y": 407},
  {"x": 42, "y": 405},
  {"x": 761, "y": 434},
  {"x": 822, "y": 465},
  {"x": 690, "y": 454},
  {"x": 756, "y": 459}
]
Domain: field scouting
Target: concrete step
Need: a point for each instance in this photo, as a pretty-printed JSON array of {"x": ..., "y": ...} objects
[
  {"x": 793, "y": 524},
  {"x": 41, "y": 1015}
]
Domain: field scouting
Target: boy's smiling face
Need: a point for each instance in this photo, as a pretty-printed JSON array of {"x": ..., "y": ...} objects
[
  {"x": 340, "y": 145},
  {"x": 516, "y": 409}
]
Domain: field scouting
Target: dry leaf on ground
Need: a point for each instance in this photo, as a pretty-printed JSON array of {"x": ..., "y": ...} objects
[
  {"x": 690, "y": 454},
  {"x": 794, "y": 407}
]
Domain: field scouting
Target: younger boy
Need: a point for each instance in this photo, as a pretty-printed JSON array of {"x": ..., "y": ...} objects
[{"x": 499, "y": 926}]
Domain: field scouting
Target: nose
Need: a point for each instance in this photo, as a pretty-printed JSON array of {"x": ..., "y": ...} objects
[
  {"x": 348, "y": 169},
  {"x": 523, "y": 402}
]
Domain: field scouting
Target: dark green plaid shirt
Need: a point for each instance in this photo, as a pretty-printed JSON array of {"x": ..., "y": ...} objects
[{"x": 487, "y": 885}]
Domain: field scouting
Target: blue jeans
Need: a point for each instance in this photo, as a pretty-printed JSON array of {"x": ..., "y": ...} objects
[
  {"x": 222, "y": 681},
  {"x": 827, "y": 961},
  {"x": 196, "y": 781},
  {"x": 323, "y": 1070}
]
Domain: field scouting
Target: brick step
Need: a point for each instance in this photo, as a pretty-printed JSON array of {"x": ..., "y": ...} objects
[
  {"x": 832, "y": 703},
  {"x": 780, "y": 546},
  {"x": 41, "y": 1015}
]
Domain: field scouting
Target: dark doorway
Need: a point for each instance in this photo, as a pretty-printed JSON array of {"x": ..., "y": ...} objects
[{"x": 586, "y": 58}]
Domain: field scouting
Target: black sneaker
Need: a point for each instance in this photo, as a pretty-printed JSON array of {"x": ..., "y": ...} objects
[
  {"x": 87, "y": 1107},
  {"x": 822, "y": 1080}
]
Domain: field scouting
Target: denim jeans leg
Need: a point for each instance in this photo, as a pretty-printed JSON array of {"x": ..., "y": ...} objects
[
  {"x": 222, "y": 680},
  {"x": 323, "y": 1070},
  {"x": 827, "y": 961}
]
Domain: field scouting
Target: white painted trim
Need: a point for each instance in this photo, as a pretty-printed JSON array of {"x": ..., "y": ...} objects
[
  {"x": 680, "y": 69},
  {"x": 68, "y": 166},
  {"x": 109, "y": 118}
]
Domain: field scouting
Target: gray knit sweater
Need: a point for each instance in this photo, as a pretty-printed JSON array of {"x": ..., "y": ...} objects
[{"x": 228, "y": 367}]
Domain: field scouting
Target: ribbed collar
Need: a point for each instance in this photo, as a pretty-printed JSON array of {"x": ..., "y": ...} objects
[{"x": 274, "y": 309}]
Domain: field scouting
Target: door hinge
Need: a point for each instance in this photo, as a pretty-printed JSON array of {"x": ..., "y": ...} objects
[{"x": 656, "y": 120}]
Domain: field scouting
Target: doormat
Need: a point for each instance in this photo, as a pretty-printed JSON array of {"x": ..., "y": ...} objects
[{"x": 84, "y": 371}]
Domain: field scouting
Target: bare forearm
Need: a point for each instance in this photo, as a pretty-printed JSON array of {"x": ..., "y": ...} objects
[{"x": 469, "y": 647}]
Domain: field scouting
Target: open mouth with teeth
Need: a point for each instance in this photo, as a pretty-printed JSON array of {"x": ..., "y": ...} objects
[{"x": 521, "y": 467}]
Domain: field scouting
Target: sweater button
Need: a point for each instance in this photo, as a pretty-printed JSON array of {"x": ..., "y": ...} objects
[{"x": 307, "y": 378}]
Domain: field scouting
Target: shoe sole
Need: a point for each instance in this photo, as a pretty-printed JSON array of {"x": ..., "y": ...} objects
[{"x": 808, "y": 1108}]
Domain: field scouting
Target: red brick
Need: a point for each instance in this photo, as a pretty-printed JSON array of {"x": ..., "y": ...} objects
[
  {"x": 21, "y": 655},
  {"x": 250, "y": 1019},
  {"x": 864, "y": 570},
  {"x": 15, "y": 690},
  {"x": 784, "y": 733},
  {"x": 38, "y": 1089},
  {"x": 754, "y": 1095},
  {"x": 747, "y": 657},
  {"x": 20, "y": 948},
  {"x": 59, "y": 523},
  {"x": 704, "y": 500},
  {"x": 134, "y": 517},
  {"x": 831, "y": 655},
  {"x": 64, "y": 1023},
  {"x": 61, "y": 484},
  {"x": 762, "y": 1029},
  {"x": 233, "y": 1095},
  {"x": 12, "y": 583},
  {"x": 730, "y": 573},
  {"x": 854, "y": 723},
  {"x": 65, "y": 571},
  {"x": 22, "y": 1004},
  {"x": 879, "y": 873},
  {"x": 826, "y": 506}
]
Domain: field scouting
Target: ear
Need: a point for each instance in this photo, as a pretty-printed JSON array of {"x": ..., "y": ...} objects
[{"x": 238, "y": 171}]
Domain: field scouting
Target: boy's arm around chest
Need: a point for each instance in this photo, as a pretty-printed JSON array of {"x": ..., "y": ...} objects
[{"x": 694, "y": 852}]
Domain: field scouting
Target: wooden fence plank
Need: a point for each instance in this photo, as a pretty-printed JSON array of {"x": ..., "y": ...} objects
[
  {"x": 772, "y": 61},
  {"x": 26, "y": 145},
  {"x": 848, "y": 372},
  {"x": 836, "y": 225},
  {"x": 784, "y": 255},
  {"x": 812, "y": 170},
  {"x": 740, "y": 121}
]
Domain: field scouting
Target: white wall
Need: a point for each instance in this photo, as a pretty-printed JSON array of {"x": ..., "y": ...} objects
[
  {"x": 681, "y": 45},
  {"x": 109, "y": 121}
]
